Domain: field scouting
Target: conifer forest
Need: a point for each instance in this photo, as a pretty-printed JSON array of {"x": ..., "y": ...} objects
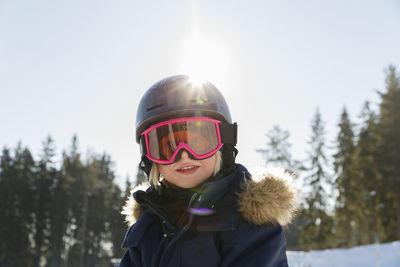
[{"x": 68, "y": 212}]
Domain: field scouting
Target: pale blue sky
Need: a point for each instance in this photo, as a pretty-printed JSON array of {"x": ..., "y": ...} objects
[{"x": 81, "y": 66}]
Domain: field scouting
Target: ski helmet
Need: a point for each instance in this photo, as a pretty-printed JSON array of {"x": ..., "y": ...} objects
[{"x": 178, "y": 96}]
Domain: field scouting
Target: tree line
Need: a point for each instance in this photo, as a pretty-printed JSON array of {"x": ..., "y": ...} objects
[
  {"x": 67, "y": 215},
  {"x": 350, "y": 193}
]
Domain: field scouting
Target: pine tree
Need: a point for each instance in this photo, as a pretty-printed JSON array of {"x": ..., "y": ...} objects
[
  {"x": 100, "y": 186},
  {"x": 367, "y": 172},
  {"x": 58, "y": 218},
  {"x": 45, "y": 177},
  {"x": 277, "y": 151},
  {"x": 113, "y": 222},
  {"x": 26, "y": 171},
  {"x": 100, "y": 229},
  {"x": 72, "y": 170},
  {"x": 350, "y": 202},
  {"x": 277, "y": 154},
  {"x": 117, "y": 226},
  {"x": 15, "y": 207},
  {"x": 389, "y": 153},
  {"x": 316, "y": 232},
  {"x": 6, "y": 203}
]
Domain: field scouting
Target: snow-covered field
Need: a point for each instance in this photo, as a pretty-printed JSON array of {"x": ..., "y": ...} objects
[{"x": 371, "y": 255}]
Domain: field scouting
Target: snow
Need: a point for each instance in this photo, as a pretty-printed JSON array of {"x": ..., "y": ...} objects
[{"x": 370, "y": 255}]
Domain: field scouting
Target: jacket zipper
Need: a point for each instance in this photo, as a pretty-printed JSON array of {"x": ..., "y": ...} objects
[{"x": 180, "y": 233}]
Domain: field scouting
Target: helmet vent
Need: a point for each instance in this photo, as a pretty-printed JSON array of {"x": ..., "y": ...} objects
[{"x": 155, "y": 106}]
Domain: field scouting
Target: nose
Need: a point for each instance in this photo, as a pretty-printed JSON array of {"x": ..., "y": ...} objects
[{"x": 184, "y": 154}]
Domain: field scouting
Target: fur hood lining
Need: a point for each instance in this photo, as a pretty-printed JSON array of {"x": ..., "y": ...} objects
[{"x": 268, "y": 198}]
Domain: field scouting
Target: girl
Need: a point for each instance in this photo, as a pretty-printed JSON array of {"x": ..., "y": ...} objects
[{"x": 200, "y": 209}]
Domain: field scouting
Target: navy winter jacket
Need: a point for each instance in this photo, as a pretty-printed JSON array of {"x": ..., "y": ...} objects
[{"x": 233, "y": 221}]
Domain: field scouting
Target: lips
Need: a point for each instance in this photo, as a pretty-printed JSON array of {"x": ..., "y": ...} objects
[{"x": 187, "y": 169}]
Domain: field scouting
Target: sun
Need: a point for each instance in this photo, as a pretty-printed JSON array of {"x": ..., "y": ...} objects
[{"x": 204, "y": 59}]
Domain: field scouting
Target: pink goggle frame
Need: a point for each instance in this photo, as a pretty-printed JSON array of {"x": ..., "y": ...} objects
[{"x": 182, "y": 145}]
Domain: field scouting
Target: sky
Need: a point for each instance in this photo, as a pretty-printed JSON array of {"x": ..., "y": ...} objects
[{"x": 81, "y": 67}]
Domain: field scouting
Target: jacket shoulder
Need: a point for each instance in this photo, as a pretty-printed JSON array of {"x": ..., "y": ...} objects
[{"x": 268, "y": 198}]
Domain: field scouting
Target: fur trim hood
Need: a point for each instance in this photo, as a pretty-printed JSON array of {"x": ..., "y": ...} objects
[{"x": 267, "y": 198}]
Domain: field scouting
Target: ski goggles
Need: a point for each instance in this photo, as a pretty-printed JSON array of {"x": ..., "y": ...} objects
[{"x": 200, "y": 136}]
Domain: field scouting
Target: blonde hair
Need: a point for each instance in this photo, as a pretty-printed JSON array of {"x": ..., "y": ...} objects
[{"x": 155, "y": 176}]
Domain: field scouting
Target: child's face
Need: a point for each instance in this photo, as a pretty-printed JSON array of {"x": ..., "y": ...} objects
[{"x": 187, "y": 173}]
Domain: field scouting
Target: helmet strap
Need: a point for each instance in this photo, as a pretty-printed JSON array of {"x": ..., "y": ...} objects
[
  {"x": 145, "y": 165},
  {"x": 229, "y": 153}
]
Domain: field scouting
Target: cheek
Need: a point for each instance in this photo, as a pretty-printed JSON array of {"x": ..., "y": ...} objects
[
  {"x": 210, "y": 165},
  {"x": 164, "y": 169}
]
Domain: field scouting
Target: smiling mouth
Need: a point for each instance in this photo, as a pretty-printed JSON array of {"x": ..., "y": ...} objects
[{"x": 188, "y": 169}]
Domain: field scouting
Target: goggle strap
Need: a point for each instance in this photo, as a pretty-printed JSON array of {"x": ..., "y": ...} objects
[{"x": 228, "y": 133}]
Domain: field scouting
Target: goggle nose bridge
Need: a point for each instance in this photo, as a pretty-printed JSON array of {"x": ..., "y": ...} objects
[
  {"x": 183, "y": 146},
  {"x": 178, "y": 155}
]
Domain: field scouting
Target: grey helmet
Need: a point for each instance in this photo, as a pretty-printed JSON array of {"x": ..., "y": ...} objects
[{"x": 177, "y": 97}]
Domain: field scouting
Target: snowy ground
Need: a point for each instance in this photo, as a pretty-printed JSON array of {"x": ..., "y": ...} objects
[{"x": 365, "y": 256}]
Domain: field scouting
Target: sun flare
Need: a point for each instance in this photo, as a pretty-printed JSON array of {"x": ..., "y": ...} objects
[{"x": 205, "y": 59}]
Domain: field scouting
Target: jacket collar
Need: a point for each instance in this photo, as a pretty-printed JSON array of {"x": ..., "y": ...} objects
[
  {"x": 215, "y": 205},
  {"x": 266, "y": 199},
  {"x": 210, "y": 193}
]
